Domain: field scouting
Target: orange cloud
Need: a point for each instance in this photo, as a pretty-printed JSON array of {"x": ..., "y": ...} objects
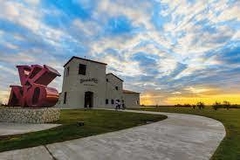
[
  {"x": 207, "y": 99},
  {"x": 192, "y": 95},
  {"x": 4, "y": 95}
]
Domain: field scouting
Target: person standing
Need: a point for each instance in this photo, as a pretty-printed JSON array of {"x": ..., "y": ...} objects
[
  {"x": 117, "y": 104},
  {"x": 123, "y": 105}
]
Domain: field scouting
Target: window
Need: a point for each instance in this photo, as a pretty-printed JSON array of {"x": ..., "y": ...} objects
[
  {"x": 82, "y": 69},
  {"x": 112, "y": 101},
  {"x": 107, "y": 79},
  {"x": 116, "y": 87},
  {"x": 67, "y": 71},
  {"x": 65, "y": 98},
  {"x": 106, "y": 101},
  {"x": 137, "y": 102}
]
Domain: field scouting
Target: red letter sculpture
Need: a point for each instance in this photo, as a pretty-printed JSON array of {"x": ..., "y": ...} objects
[{"x": 34, "y": 91}]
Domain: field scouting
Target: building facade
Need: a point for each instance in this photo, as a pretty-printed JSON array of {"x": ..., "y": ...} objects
[
  {"x": 131, "y": 98},
  {"x": 86, "y": 85}
]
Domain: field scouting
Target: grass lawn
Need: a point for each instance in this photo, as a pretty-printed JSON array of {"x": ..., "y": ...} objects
[
  {"x": 229, "y": 148},
  {"x": 96, "y": 122}
]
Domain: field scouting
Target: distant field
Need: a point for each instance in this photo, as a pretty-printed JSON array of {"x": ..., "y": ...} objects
[
  {"x": 229, "y": 148},
  {"x": 96, "y": 122}
]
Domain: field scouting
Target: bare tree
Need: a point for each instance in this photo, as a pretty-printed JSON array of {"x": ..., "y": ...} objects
[
  {"x": 200, "y": 105},
  {"x": 226, "y": 104},
  {"x": 216, "y": 105}
]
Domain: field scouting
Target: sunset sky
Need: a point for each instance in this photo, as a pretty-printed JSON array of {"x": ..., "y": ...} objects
[{"x": 172, "y": 51}]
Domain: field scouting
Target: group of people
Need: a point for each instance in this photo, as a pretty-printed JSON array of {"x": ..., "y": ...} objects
[{"x": 119, "y": 104}]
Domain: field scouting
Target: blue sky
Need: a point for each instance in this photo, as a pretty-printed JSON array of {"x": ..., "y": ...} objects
[{"x": 167, "y": 50}]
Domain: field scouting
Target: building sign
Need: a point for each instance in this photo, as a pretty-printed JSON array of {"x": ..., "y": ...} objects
[
  {"x": 94, "y": 80},
  {"x": 34, "y": 91}
]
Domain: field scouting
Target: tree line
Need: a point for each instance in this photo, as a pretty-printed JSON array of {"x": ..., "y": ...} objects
[{"x": 215, "y": 106}]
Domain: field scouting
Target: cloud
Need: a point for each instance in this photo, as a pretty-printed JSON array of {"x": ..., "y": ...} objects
[
  {"x": 33, "y": 2},
  {"x": 119, "y": 25},
  {"x": 160, "y": 48}
]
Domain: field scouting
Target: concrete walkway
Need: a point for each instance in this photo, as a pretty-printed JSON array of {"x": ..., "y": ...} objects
[
  {"x": 180, "y": 137},
  {"x": 20, "y": 128}
]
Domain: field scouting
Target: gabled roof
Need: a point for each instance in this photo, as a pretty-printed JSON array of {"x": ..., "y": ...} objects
[
  {"x": 84, "y": 60},
  {"x": 115, "y": 76},
  {"x": 129, "y": 92}
]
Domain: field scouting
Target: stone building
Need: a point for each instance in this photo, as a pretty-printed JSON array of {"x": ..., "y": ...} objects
[{"x": 86, "y": 84}]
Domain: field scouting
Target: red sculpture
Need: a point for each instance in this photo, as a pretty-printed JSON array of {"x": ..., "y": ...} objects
[{"x": 34, "y": 91}]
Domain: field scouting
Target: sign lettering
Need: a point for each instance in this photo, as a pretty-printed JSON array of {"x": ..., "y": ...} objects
[{"x": 94, "y": 80}]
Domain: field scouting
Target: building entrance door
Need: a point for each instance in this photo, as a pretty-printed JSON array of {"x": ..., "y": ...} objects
[{"x": 88, "y": 101}]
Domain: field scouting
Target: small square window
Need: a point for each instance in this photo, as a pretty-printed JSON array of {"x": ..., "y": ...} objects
[
  {"x": 116, "y": 87},
  {"x": 82, "y": 69},
  {"x": 106, "y": 101},
  {"x": 107, "y": 79},
  {"x": 112, "y": 101}
]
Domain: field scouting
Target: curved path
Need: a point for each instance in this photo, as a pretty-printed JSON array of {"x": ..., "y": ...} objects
[
  {"x": 20, "y": 128},
  {"x": 179, "y": 137}
]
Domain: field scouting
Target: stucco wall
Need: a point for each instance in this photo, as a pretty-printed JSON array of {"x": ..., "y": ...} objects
[
  {"x": 97, "y": 81},
  {"x": 131, "y": 100},
  {"x": 76, "y": 90},
  {"x": 111, "y": 92}
]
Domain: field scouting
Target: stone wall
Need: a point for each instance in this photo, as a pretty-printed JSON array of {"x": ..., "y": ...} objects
[{"x": 29, "y": 115}]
